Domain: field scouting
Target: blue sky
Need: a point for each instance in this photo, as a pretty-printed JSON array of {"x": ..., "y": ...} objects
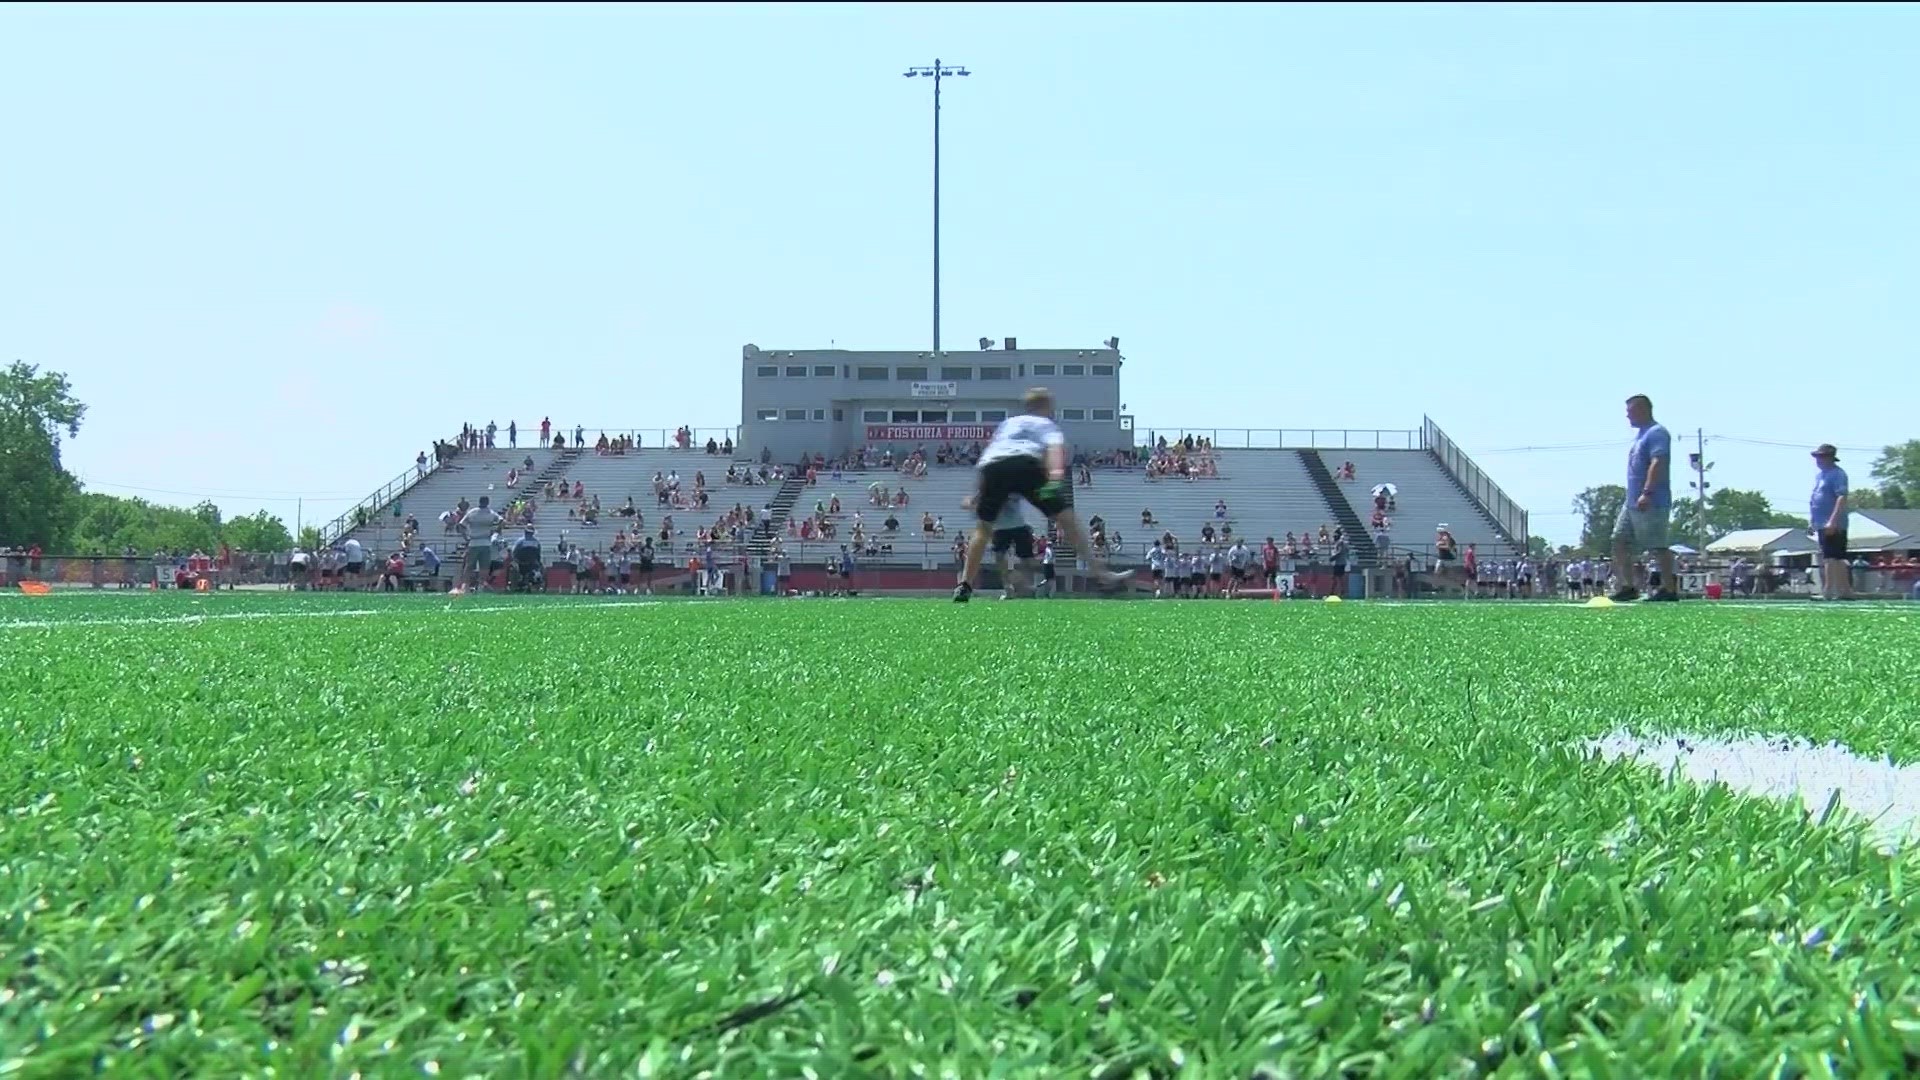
[{"x": 278, "y": 250}]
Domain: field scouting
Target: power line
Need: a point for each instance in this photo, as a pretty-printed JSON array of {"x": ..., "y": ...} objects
[
  {"x": 1794, "y": 445},
  {"x": 234, "y": 495}
]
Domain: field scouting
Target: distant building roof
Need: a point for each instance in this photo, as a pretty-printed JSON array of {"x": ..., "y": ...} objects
[
  {"x": 1768, "y": 540},
  {"x": 1888, "y": 523}
]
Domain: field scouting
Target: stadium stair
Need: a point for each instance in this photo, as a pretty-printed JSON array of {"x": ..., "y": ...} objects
[
  {"x": 1361, "y": 541},
  {"x": 1427, "y": 496},
  {"x": 785, "y": 500}
]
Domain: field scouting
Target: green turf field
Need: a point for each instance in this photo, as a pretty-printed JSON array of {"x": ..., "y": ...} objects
[{"x": 537, "y": 837}]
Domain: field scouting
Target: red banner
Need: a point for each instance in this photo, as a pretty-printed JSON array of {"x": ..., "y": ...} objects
[{"x": 929, "y": 432}]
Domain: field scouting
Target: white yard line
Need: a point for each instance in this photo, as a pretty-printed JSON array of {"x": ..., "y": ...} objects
[
  {"x": 1885, "y": 795},
  {"x": 454, "y": 607}
]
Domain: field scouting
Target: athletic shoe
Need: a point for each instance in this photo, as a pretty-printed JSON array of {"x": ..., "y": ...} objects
[
  {"x": 1625, "y": 594},
  {"x": 1665, "y": 596},
  {"x": 962, "y": 593}
]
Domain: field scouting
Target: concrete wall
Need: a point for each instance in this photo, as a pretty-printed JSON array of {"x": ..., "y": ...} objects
[{"x": 833, "y": 400}]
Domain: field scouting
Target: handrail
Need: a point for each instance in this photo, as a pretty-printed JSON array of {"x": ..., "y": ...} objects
[
  {"x": 375, "y": 502},
  {"x": 1509, "y": 515},
  {"x": 530, "y": 434},
  {"x": 643, "y": 438},
  {"x": 1286, "y": 438}
]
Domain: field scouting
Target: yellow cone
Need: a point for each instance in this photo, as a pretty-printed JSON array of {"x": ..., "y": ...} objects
[
  {"x": 1333, "y": 599},
  {"x": 1599, "y": 601}
]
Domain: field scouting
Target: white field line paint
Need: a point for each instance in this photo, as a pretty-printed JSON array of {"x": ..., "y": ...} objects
[
  {"x": 337, "y": 613},
  {"x": 1885, "y": 795}
]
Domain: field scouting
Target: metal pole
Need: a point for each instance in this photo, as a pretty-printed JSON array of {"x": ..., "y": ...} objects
[
  {"x": 937, "y": 72},
  {"x": 1700, "y": 473},
  {"x": 936, "y": 208}
]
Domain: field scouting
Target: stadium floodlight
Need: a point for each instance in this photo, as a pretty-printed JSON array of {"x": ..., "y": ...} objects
[{"x": 936, "y": 71}]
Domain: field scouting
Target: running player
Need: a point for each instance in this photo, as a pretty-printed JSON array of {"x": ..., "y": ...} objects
[
  {"x": 1027, "y": 456},
  {"x": 1010, "y": 533}
]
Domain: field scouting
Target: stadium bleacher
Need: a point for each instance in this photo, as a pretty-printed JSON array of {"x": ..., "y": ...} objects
[
  {"x": 469, "y": 474},
  {"x": 1426, "y": 497},
  {"x": 1267, "y": 492}
]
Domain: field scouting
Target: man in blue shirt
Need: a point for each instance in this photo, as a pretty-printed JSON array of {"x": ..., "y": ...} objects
[
  {"x": 1642, "y": 525},
  {"x": 1827, "y": 513}
]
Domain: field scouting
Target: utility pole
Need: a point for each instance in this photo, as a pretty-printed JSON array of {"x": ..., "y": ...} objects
[
  {"x": 1700, "y": 468},
  {"x": 936, "y": 72}
]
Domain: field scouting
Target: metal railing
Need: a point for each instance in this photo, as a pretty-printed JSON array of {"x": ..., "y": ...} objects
[
  {"x": 376, "y": 502},
  {"x": 529, "y": 438},
  {"x": 1506, "y": 513},
  {"x": 643, "y": 438},
  {"x": 1286, "y": 438}
]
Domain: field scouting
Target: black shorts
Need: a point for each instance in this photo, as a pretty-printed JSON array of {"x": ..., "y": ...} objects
[
  {"x": 1239, "y": 573},
  {"x": 1046, "y": 571},
  {"x": 1020, "y": 540},
  {"x": 356, "y": 567},
  {"x": 1833, "y": 545},
  {"x": 1159, "y": 575},
  {"x": 1024, "y": 476}
]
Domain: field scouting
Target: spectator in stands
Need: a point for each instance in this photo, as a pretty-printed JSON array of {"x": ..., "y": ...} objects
[
  {"x": 546, "y": 430},
  {"x": 559, "y": 441},
  {"x": 513, "y": 434},
  {"x": 579, "y": 436},
  {"x": 1146, "y": 518},
  {"x": 420, "y": 465},
  {"x": 712, "y": 447}
]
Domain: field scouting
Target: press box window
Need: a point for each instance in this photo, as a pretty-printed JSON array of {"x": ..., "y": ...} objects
[
  {"x": 1103, "y": 370},
  {"x": 873, "y": 374},
  {"x": 956, "y": 374},
  {"x": 964, "y": 416},
  {"x": 1103, "y": 414},
  {"x": 933, "y": 416},
  {"x": 992, "y": 416},
  {"x": 796, "y": 414},
  {"x": 995, "y": 374},
  {"x": 1073, "y": 414},
  {"x": 838, "y": 416},
  {"x": 820, "y": 414},
  {"x": 912, "y": 374},
  {"x": 906, "y": 416},
  {"x": 768, "y": 371},
  {"x": 767, "y": 414},
  {"x": 1042, "y": 369},
  {"x": 823, "y": 371},
  {"x": 1073, "y": 369},
  {"x": 873, "y": 416}
]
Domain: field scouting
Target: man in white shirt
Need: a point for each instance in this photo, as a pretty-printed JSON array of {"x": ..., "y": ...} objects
[
  {"x": 478, "y": 528},
  {"x": 355, "y": 558},
  {"x": 1027, "y": 457},
  {"x": 1157, "y": 563},
  {"x": 1239, "y": 561}
]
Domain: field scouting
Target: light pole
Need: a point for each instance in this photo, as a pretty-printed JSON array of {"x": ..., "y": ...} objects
[{"x": 936, "y": 72}]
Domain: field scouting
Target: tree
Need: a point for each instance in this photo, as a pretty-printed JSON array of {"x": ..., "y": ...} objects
[
  {"x": 1599, "y": 507},
  {"x": 1888, "y": 496},
  {"x": 35, "y": 408},
  {"x": 260, "y": 532},
  {"x": 310, "y": 538},
  {"x": 1538, "y": 547},
  {"x": 1899, "y": 465},
  {"x": 1728, "y": 510}
]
